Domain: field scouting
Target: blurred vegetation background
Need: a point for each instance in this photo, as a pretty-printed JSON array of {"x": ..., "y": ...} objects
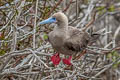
[{"x": 25, "y": 52}]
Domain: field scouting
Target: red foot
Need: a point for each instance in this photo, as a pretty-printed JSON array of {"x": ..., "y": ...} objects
[
  {"x": 67, "y": 61},
  {"x": 56, "y": 59}
]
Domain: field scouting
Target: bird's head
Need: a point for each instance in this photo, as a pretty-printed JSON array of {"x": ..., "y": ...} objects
[{"x": 58, "y": 18}]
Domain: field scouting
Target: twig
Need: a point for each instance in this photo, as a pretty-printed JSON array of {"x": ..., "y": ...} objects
[
  {"x": 39, "y": 59},
  {"x": 106, "y": 68},
  {"x": 67, "y": 6},
  {"x": 92, "y": 21},
  {"x": 35, "y": 24},
  {"x": 53, "y": 8}
]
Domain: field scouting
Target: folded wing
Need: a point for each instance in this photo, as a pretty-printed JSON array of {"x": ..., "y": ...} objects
[{"x": 77, "y": 41}]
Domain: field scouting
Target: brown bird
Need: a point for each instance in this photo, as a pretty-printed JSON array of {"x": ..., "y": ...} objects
[{"x": 66, "y": 39}]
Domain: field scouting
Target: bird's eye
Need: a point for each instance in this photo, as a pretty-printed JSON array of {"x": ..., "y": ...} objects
[{"x": 54, "y": 18}]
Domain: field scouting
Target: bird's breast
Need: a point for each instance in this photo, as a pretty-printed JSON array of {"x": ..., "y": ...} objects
[{"x": 56, "y": 39}]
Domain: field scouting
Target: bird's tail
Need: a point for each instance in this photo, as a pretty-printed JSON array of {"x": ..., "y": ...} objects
[{"x": 94, "y": 37}]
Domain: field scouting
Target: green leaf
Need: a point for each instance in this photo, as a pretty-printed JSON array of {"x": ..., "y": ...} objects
[
  {"x": 45, "y": 36},
  {"x": 116, "y": 65},
  {"x": 2, "y": 52},
  {"x": 100, "y": 8},
  {"x": 109, "y": 55},
  {"x": 111, "y": 8},
  {"x": 115, "y": 53}
]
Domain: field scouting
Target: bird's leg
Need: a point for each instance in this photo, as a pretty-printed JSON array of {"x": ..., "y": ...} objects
[
  {"x": 67, "y": 61},
  {"x": 56, "y": 59}
]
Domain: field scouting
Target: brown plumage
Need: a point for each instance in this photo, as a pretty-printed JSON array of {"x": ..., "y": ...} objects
[{"x": 66, "y": 39}]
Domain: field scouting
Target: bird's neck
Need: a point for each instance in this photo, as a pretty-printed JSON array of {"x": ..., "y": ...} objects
[{"x": 63, "y": 28}]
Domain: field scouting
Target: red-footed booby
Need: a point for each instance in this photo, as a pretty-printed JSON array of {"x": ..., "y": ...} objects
[{"x": 65, "y": 39}]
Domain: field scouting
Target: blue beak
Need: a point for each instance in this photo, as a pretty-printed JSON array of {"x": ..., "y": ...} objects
[{"x": 49, "y": 20}]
